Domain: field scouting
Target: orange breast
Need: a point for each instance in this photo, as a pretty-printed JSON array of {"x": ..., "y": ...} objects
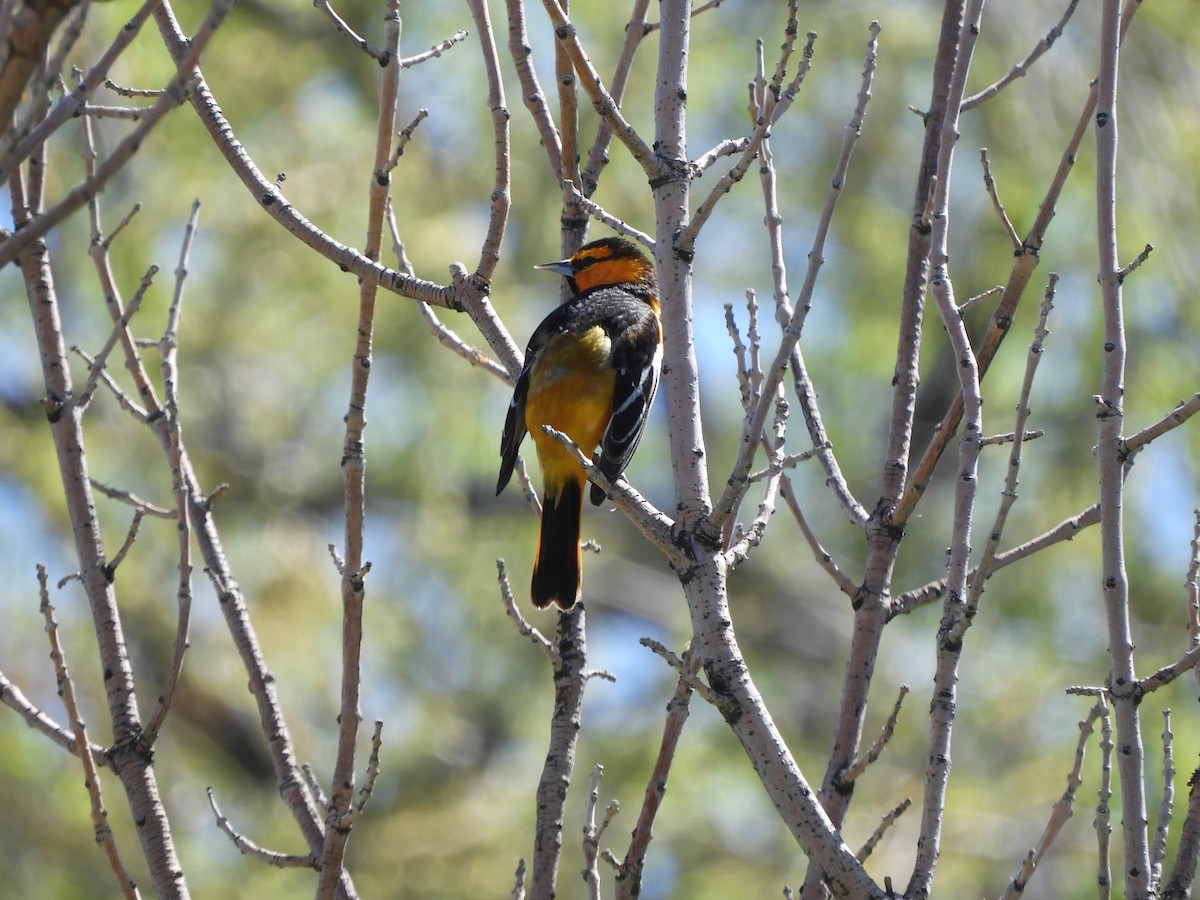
[{"x": 571, "y": 390}]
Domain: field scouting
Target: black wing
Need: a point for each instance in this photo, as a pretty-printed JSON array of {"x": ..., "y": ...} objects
[
  {"x": 514, "y": 426},
  {"x": 637, "y": 359}
]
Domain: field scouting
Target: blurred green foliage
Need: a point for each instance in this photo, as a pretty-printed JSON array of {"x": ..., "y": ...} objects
[{"x": 268, "y": 329}]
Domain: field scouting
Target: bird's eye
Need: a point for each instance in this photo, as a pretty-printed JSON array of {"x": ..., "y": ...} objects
[{"x": 585, "y": 262}]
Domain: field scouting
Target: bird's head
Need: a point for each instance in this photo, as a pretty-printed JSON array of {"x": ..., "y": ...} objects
[{"x": 608, "y": 261}]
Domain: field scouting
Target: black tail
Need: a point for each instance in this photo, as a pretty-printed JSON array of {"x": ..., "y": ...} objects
[{"x": 556, "y": 567}]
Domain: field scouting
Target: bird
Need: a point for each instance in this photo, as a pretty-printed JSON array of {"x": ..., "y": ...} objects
[{"x": 591, "y": 371}]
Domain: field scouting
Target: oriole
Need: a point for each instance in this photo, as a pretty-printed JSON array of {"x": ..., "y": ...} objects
[{"x": 591, "y": 370}]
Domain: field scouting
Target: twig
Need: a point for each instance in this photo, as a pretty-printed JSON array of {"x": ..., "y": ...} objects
[
  {"x": 449, "y": 339},
  {"x": 1022, "y": 67},
  {"x": 341, "y": 813},
  {"x": 843, "y": 581},
  {"x": 435, "y": 51},
  {"x": 888, "y": 820},
  {"x": 1137, "y": 261},
  {"x": 380, "y": 56},
  {"x": 1162, "y": 829},
  {"x": 1183, "y": 873},
  {"x": 685, "y": 668},
  {"x": 91, "y": 778},
  {"x": 570, "y": 679},
  {"x": 1009, "y": 437},
  {"x": 990, "y": 183},
  {"x": 168, "y": 349},
  {"x": 12, "y": 697},
  {"x": 727, "y": 147},
  {"x": 1176, "y": 417},
  {"x": 131, "y": 113},
  {"x": 364, "y": 793},
  {"x": 1103, "y": 822},
  {"x": 402, "y": 141},
  {"x": 1191, "y": 587},
  {"x": 860, "y": 765},
  {"x": 1061, "y": 811},
  {"x": 629, "y": 872},
  {"x": 597, "y": 157},
  {"x": 122, "y": 91},
  {"x": 596, "y": 211},
  {"x": 591, "y": 837},
  {"x": 518, "y": 891},
  {"x": 249, "y": 848},
  {"x": 725, "y": 505},
  {"x": 766, "y": 507},
  {"x": 972, "y": 301},
  {"x": 523, "y": 627}
]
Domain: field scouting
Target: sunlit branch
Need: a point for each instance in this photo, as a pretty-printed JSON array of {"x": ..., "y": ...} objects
[
  {"x": 248, "y": 848},
  {"x": 1061, "y": 811},
  {"x": 519, "y": 622},
  {"x": 1021, "y": 68}
]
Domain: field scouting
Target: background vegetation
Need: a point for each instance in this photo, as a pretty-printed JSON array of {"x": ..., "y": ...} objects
[{"x": 265, "y": 344}]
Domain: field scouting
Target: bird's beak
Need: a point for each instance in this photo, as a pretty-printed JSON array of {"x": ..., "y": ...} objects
[{"x": 561, "y": 267}]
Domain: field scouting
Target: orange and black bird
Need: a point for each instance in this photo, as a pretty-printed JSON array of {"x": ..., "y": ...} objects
[{"x": 591, "y": 370}]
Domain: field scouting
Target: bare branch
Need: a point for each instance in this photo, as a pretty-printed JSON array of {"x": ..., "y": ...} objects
[
  {"x": 249, "y": 848},
  {"x": 435, "y": 51},
  {"x": 860, "y": 765},
  {"x": 791, "y": 332},
  {"x": 1137, "y": 261},
  {"x": 596, "y": 211},
  {"x": 606, "y": 106},
  {"x": 1162, "y": 829},
  {"x": 990, "y": 183},
  {"x": 843, "y": 581},
  {"x": 168, "y": 348},
  {"x": 687, "y": 670},
  {"x": 1179, "y": 884},
  {"x": 380, "y": 56},
  {"x": 12, "y": 697},
  {"x": 629, "y": 872},
  {"x": 570, "y": 679},
  {"x": 1103, "y": 821},
  {"x": 652, "y": 523},
  {"x": 887, "y": 822},
  {"x": 591, "y": 835},
  {"x": 174, "y": 94},
  {"x": 91, "y": 778},
  {"x": 1022, "y": 67},
  {"x": 1061, "y": 811},
  {"x": 532, "y": 94},
  {"x": 341, "y": 812},
  {"x": 523, "y": 627}
]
